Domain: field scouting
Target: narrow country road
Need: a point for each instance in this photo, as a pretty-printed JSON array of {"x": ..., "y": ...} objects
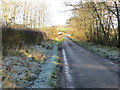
[{"x": 84, "y": 69}]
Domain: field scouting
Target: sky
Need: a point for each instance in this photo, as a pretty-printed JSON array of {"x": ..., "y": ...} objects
[
  {"x": 55, "y": 10},
  {"x": 58, "y": 14}
]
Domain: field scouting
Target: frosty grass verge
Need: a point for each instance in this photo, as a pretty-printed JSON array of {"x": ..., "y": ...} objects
[{"x": 40, "y": 74}]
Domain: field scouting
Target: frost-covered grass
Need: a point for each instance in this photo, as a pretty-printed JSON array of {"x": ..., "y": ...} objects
[
  {"x": 47, "y": 77},
  {"x": 21, "y": 67},
  {"x": 40, "y": 60},
  {"x": 31, "y": 67},
  {"x": 110, "y": 53}
]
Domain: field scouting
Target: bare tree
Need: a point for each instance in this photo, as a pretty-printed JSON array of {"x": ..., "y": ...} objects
[
  {"x": 96, "y": 18},
  {"x": 115, "y": 9}
]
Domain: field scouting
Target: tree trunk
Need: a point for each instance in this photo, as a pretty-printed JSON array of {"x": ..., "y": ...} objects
[
  {"x": 118, "y": 18},
  {"x": 118, "y": 32},
  {"x": 101, "y": 24},
  {"x": 119, "y": 35}
]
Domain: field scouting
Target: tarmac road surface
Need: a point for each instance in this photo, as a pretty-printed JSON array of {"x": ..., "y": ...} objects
[{"x": 83, "y": 69}]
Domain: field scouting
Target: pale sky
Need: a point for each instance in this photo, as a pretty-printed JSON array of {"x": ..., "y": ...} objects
[
  {"x": 59, "y": 12},
  {"x": 56, "y": 10}
]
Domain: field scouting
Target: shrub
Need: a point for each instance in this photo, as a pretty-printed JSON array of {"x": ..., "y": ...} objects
[{"x": 16, "y": 38}]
